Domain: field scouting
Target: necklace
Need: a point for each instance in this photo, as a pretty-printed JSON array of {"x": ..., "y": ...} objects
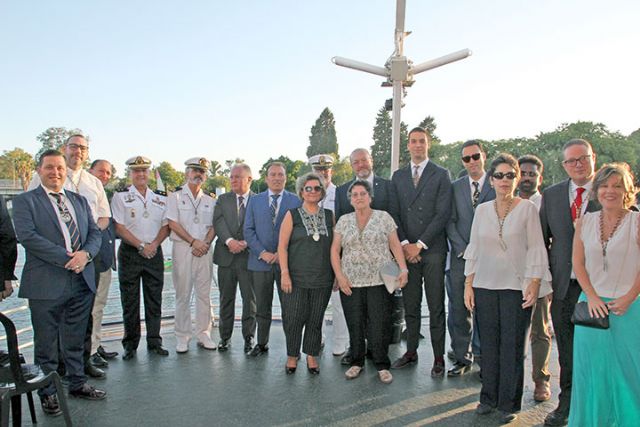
[
  {"x": 604, "y": 241},
  {"x": 76, "y": 185},
  {"x": 312, "y": 222},
  {"x": 503, "y": 244},
  {"x": 195, "y": 207},
  {"x": 145, "y": 214}
]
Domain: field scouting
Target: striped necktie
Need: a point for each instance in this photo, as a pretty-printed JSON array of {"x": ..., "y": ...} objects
[
  {"x": 74, "y": 234},
  {"x": 476, "y": 193},
  {"x": 416, "y": 175},
  {"x": 241, "y": 210},
  {"x": 274, "y": 206}
]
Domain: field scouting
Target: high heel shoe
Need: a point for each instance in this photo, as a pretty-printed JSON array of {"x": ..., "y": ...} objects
[
  {"x": 313, "y": 370},
  {"x": 290, "y": 369}
]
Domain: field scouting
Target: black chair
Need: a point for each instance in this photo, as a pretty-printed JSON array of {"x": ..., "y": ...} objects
[{"x": 17, "y": 379}]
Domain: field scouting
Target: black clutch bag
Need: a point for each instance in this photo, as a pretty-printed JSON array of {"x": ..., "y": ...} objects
[{"x": 582, "y": 317}]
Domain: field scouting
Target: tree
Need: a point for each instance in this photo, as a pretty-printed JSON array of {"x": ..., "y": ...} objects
[
  {"x": 17, "y": 164},
  {"x": 293, "y": 168},
  {"x": 214, "y": 182},
  {"x": 381, "y": 148},
  {"x": 323, "y": 139},
  {"x": 170, "y": 176},
  {"x": 429, "y": 124},
  {"x": 342, "y": 171},
  {"x": 53, "y": 138}
]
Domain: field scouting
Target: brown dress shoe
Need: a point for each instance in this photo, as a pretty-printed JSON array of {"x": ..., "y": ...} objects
[{"x": 542, "y": 392}]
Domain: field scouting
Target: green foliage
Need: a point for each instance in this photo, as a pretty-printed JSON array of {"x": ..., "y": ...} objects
[
  {"x": 17, "y": 164},
  {"x": 342, "y": 171},
  {"x": 170, "y": 176},
  {"x": 54, "y": 138},
  {"x": 294, "y": 169},
  {"x": 323, "y": 139}
]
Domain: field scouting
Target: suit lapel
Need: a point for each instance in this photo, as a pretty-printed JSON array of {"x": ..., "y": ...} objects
[
  {"x": 428, "y": 171},
  {"x": 80, "y": 223},
  {"x": 485, "y": 190},
  {"x": 566, "y": 202},
  {"x": 46, "y": 206},
  {"x": 466, "y": 193}
]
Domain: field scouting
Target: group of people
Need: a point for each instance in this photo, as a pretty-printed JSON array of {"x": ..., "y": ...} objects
[{"x": 508, "y": 257}]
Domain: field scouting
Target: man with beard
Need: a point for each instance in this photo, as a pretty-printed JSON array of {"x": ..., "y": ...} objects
[{"x": 190, "y": 215}]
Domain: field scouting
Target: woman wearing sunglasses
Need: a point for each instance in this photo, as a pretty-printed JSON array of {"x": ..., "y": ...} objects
[
  {"x": 506, "y": 270},
  {"x": 307, "y": 278}
]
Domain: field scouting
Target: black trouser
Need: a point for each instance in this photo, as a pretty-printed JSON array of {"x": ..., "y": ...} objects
[
  {"x": 132, "y": 268},
  {"x": 459, "y": 322},
  {"x": 304, "y": 309},
  {"x": 229, "y": 278},
  {"x": 368, "y": 314},
  {"x": 263, "y": 290},
  {"x": 561, "y": 311},
  {"x": 429, "y": 271},
  {"x": 503, "y": 325}
]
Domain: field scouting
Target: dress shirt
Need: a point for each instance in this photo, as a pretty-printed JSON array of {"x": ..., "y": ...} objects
[
  {"x": 536, "y": 198},
  {"x": 182, "y": 208},
  {"x": 271, "y": 193},
  {"x": 480, "y": 184},
  {"x": 329, "y": 201},
  {"x": 421, "y": 166},
  {"x": 128, "y": 210},
  {"x": 72, "y": 211}
]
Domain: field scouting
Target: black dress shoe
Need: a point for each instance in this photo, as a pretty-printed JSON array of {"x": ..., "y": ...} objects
[
  {"x": 437, "y": 370},
  {"x": 248, "y": 344},
  {"x": 97, "y": 361},
  {"x": 507, "y": 417},
  {"x": 223, "y": 345},
  {"x": 484, "y": 409},
  {"x": 557, "y": 418},
  {"x": 458, "y": 370},
  {"x": 94, "y": 372},
  {"x": 347, "y": 358},
  {"x": 107, "y": 354},
  {"x": 88, "y": 392},
  {"x": 50, "y": 405},
  {"x": 129, "y": 353},
  {"x": 158, "y": 349},
  {"x": 406, "y": 360},
  {"x": 258, "y": 350}
]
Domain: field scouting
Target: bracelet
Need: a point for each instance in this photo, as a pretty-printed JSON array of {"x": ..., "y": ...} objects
[
  {"x": 191, "y": 244},
  {"x": 404, "y": 270}
]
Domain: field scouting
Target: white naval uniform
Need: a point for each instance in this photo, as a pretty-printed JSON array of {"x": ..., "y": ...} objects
[
  {"x": 129, "y": 209},
  {"x": 189, "y": 271}
]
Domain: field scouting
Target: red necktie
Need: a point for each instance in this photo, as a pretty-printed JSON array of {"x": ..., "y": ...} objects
[{"x": 576, "y": 206}]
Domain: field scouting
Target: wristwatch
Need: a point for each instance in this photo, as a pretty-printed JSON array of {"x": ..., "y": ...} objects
[
  {"x": 141, "y": 246},
  {"x": 89, "y": 257}
]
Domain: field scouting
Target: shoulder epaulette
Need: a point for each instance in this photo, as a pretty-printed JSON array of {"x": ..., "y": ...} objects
[
  {"x": 178, "y": 188},
  {"x": 160, "y": 192}
]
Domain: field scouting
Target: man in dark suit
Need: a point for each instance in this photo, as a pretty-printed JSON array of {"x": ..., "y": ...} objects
[
  {"x": 8, "y": 251},
  {"x": 468, "y": 192},
  {"x": 57, "y": 230},
  {"x": 265, "y": 213},
  {"x": 423, "y": 195},
  {"x": 231, "y": 255},
  {"x": 562, "y": 204}
]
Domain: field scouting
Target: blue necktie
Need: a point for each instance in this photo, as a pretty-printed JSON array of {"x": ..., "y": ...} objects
[
  {"x": 71, "y": 224},
  {"x": 274, "y": 206}
]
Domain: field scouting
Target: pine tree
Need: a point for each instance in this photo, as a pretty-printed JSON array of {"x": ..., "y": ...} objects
[{"x": 323, "y": 139}]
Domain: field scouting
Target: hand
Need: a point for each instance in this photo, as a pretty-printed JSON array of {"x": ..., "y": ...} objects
[
  {"x": 530, "y": 295},
  {"x": 8, "y": 290},
  {"x": 235, "y": 246},
  {"x": 469, "y": 300},
  {"x": 199, "y": 247},
  {"x": 345, "y": 285},
  {"x": 78, "y": 261},
  {"x": 149, "y": 250},
  {"x": 268, "y": 257},
  {"x": 411, "y": 251},
  {"x": 285, "y": 282},
  {"x": 402, "y": 279},
  {"x": 597, "y": 307},
  {"x": 335, "y": 287},
  {"x": 619, "y": 306}
]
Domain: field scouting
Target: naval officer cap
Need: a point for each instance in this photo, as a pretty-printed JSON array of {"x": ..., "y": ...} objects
[
  {"x": 198, "y": 163},
  {"x": 138, "y": 162},
  {"x": 321, "y": 161}
]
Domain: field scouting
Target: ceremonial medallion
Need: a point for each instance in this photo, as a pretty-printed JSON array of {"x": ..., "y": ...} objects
[
  {"x": 145, "y": 214},
  {"x": 316, "y": 236}
]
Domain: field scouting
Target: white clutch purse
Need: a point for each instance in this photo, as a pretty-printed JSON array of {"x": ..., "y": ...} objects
[{"x": 389, "y": 273}]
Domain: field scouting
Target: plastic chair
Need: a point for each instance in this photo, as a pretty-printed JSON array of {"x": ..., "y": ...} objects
[{"x": 18, "y": 379}]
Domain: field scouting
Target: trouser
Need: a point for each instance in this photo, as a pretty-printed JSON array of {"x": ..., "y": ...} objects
[
  {"x": 540, "y": 340},
  {"x": 60, "y": 324},
  {"x": 304, "y": 309},
  {"x": 429, "y": 271},
  {"x": 561, "y": 311},
  {"x": 97, "y": 313},
  {"x": 460, "y": 320},
  {"x": 229, "y": 279},
  {"x": 191, "y": 275},
  {"x": 263, "y": 290},
  {"x": 368, "y": 314},
  {"x": 132, "y": 269},
  {"x": 503, "y": 327}
]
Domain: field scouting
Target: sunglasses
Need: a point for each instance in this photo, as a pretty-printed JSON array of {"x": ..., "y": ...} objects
[
  {"x": 508, "y": 175},
  {"x": 309, "y": 189},
  {"x": 475, "y": 156}
]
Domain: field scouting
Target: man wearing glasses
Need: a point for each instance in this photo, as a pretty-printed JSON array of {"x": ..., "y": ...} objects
[
  {"x": 468, "y": 192},
  {"x": 562, "y": 204}
]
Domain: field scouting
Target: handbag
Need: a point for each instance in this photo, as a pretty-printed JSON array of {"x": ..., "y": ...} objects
[{"x": 582, "y": 317}]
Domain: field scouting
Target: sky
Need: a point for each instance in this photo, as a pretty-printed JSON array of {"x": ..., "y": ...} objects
[{"x": 175, "y": 79}]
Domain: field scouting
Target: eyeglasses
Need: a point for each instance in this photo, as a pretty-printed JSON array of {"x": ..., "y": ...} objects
[
  {"x": 360, "y": 194},
  {"x": 83, "y": 148},
  {"x": 475, "y": 156},
  {"x": 574, "y": 162},
  {"x": 508, "y": 175},
  {"x": 531, "y": 174},
  {"x": 309, "y": 189}
]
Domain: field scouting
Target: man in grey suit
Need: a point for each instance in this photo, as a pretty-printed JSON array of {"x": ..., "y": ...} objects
[
  {"x": 468, "y": 192},
  {"x": 562, "y": 204},
  {"x": 57, "y": 230},
  {"x": 231, "y": 255},
  {"x": 423, "y": 197}
]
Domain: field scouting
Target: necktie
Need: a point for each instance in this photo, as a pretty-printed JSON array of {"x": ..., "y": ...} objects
[
  {"x": 69, "y": 222},
  {"x": 416, "y": 175},
  {"x": 274, "y": 206},
  {"x": 576, "y": 206},
  {"x": 476, "y": 193},
  {"x": 241, "y": 209}
]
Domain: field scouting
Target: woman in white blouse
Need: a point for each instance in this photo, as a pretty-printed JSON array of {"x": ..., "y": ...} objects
[
  {"x": 506, "y": 271},
  {"x": 606, "y": 260}
]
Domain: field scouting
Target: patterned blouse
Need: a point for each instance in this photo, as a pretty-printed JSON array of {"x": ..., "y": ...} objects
[{"x": 364, "y": 252}]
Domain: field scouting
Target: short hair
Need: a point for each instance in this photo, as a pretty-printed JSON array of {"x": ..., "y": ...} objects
[
  {"x": 420, "y": 129},
  {"x": 531, "y": 159},
  {"x": 49, "y": 153},
  {"x": 75, "y": 135},
  {"x": 311, "y": 176},
  {"x": 622, "y": 170},
  {"x": 96, "y": 161},
  {"x": 244, "y": 167},
  {"x": 504, "y": 159},
  {"x": 360, "y": 150},
  {"x": 276, "y": 164},
  {"x": 577, "y": 141},
  {"x": 471, "y": 143},
  {"x": 362, "y": 183}
]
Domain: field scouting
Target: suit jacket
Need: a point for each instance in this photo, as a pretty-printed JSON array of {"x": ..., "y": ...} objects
[
  {"x": 260, "y": 232},
  {"x": 459, "y": 226},
  {"x": 227, "y": 224},
  {"x": 38, "y": 230},
  {"x": 423, "y": 211},
  {"x": 557, "y": 230},
  {"x": 8, "y": 247},
  {"x": 382, "y": 197},
  {"x": 107, "y": 258}
]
